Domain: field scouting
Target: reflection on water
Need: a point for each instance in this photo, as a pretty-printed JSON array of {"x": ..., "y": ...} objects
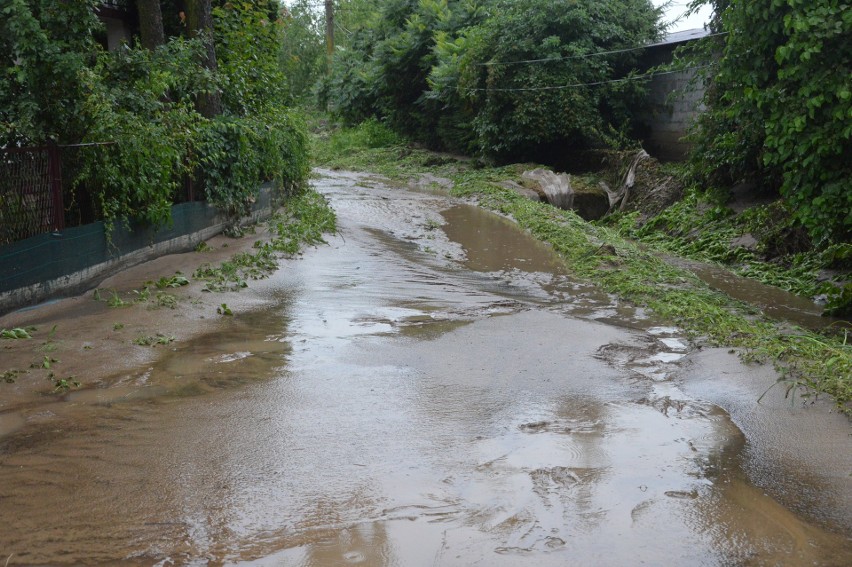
[
  {"x": 389, "y": 410},
  {"x": 494, "y": 244}
]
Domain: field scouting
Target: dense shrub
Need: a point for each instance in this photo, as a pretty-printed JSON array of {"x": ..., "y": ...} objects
[
  {"x": 248, "y": 43},
  {"x": 236, "y": 153},
  {"x": 520, "y": 69},
  {"x": 57, "y": 84},
  {"x": 469, "y": 75},
  {"x": 780, "y": 107},
  {"x": 142, "y": 102},
  {"x": 44, "y": 45}
]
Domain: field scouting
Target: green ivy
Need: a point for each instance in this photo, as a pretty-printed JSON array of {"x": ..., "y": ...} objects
[
  {"x": 141, "y": 102},
  {"x": 235, "y": 153},
  {"x": 57, "y": 84},
  {"x": 780, "y": 107},
  {"x": 44, "y": 45},
  {"x": 248, "y": 44}
]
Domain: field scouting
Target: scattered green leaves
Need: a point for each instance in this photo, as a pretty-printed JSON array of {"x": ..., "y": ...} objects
[
  {"x": 176, "y": 280},
  {"x": 154, "y": 340},
  {"x": 16, "y": 333},
  {"x": 302, "y": 219},
  {"x": 64, "y": 384},
  {"x": 9, "y": 376},
  {"x": 166, "y": 300},
  {"x": 46, "y": 363}
]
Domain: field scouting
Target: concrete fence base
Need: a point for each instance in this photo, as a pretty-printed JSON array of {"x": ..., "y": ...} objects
[{"x": 74, "y": 260}]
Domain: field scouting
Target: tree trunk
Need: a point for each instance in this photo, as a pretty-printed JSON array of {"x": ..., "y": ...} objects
[
  {"x": 150, "y": 23},
  {"x": 199, "y": 21}
]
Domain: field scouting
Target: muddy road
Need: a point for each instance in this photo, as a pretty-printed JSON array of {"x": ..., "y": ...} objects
[{"x": 431, "y": 388}]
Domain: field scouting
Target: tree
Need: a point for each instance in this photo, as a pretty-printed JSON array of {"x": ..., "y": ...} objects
[
  {"x": 544, "y": 77},
  {"x": 250, "y": 41},
  {"x": 45, "y": 47},
  {"x": 505, "y": 78},
  {"x": 302, "y": 51},
  {"x": 150, "y": 23},
  {"x": 199, "y": 22}
]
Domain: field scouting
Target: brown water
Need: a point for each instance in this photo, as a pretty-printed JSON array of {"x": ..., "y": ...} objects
[
  {"x": 771, "y": 300},
  {"x": 407, "y": 398}
]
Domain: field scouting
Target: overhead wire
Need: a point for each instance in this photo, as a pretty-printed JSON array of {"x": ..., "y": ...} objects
[
  {"x": 580, "y": 55},
  {"x": 592, "y": 84}
]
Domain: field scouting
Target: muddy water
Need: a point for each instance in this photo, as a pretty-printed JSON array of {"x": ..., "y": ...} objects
[
  {"x": 773, "y": 301},
  {"x": 429, "y": 389}
]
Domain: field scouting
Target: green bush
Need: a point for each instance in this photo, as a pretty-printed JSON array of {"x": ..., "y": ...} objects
[
  {"x": 780, "y": 107},
  {"x": 514, "y": 72},
  {"x": 436, "y": 70},
  {"x": 44, "y": 46},
  {"x": 140, "y": 102},
  {"x": 57, "y": 84},
  {"x": 248, "y": 43},
  {"x": 235, "y": 153}
]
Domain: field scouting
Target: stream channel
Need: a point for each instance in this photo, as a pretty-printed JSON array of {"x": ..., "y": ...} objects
[{"x": 431, "y": 388}]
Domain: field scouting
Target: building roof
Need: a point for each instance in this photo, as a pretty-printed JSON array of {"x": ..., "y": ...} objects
[{"x": 682, "y": 36}]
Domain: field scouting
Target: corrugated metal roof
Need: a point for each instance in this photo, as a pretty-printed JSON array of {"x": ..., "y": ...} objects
[{"x": 682, "y": 36}]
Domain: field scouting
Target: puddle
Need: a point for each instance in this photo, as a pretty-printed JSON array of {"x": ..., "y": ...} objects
[
  {"x": 774, "y": 301},
  {"x": 395, "y": 405},
  {"x": 494, "y": 244}
]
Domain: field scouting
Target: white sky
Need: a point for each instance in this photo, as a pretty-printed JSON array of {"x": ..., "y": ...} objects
[{"x": 677, "y": 9}]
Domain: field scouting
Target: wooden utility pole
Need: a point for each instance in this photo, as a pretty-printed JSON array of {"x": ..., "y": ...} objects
[{"x": 329, "y": 31}]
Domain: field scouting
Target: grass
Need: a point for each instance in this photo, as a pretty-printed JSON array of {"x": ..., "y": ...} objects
[
  {"x": 702, "y": 227},
  {"x": 817, "y": 362},
  {"x": 303, "y": 219}
]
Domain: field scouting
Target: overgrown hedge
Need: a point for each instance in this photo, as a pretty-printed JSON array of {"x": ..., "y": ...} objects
[
  {"x": 780, "y": 107},
  {"x": 143, "y": 103},
  {"x": 496, "y": 77}
]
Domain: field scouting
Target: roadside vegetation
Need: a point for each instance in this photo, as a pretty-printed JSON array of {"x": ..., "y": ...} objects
[
  {"x": 199, "y": 97},
  {"x": 810, "y": 362}
]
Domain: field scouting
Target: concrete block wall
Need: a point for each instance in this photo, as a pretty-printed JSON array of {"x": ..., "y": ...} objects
[{"x": 675, "y": 101}]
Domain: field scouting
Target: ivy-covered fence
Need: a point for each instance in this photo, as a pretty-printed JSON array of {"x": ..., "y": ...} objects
[
  {"x": 30, "y": 193},
  {"x": 40, "y": 191}
]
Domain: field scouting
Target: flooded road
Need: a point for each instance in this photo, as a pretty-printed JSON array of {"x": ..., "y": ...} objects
[{"x": 429, "y": 389}]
